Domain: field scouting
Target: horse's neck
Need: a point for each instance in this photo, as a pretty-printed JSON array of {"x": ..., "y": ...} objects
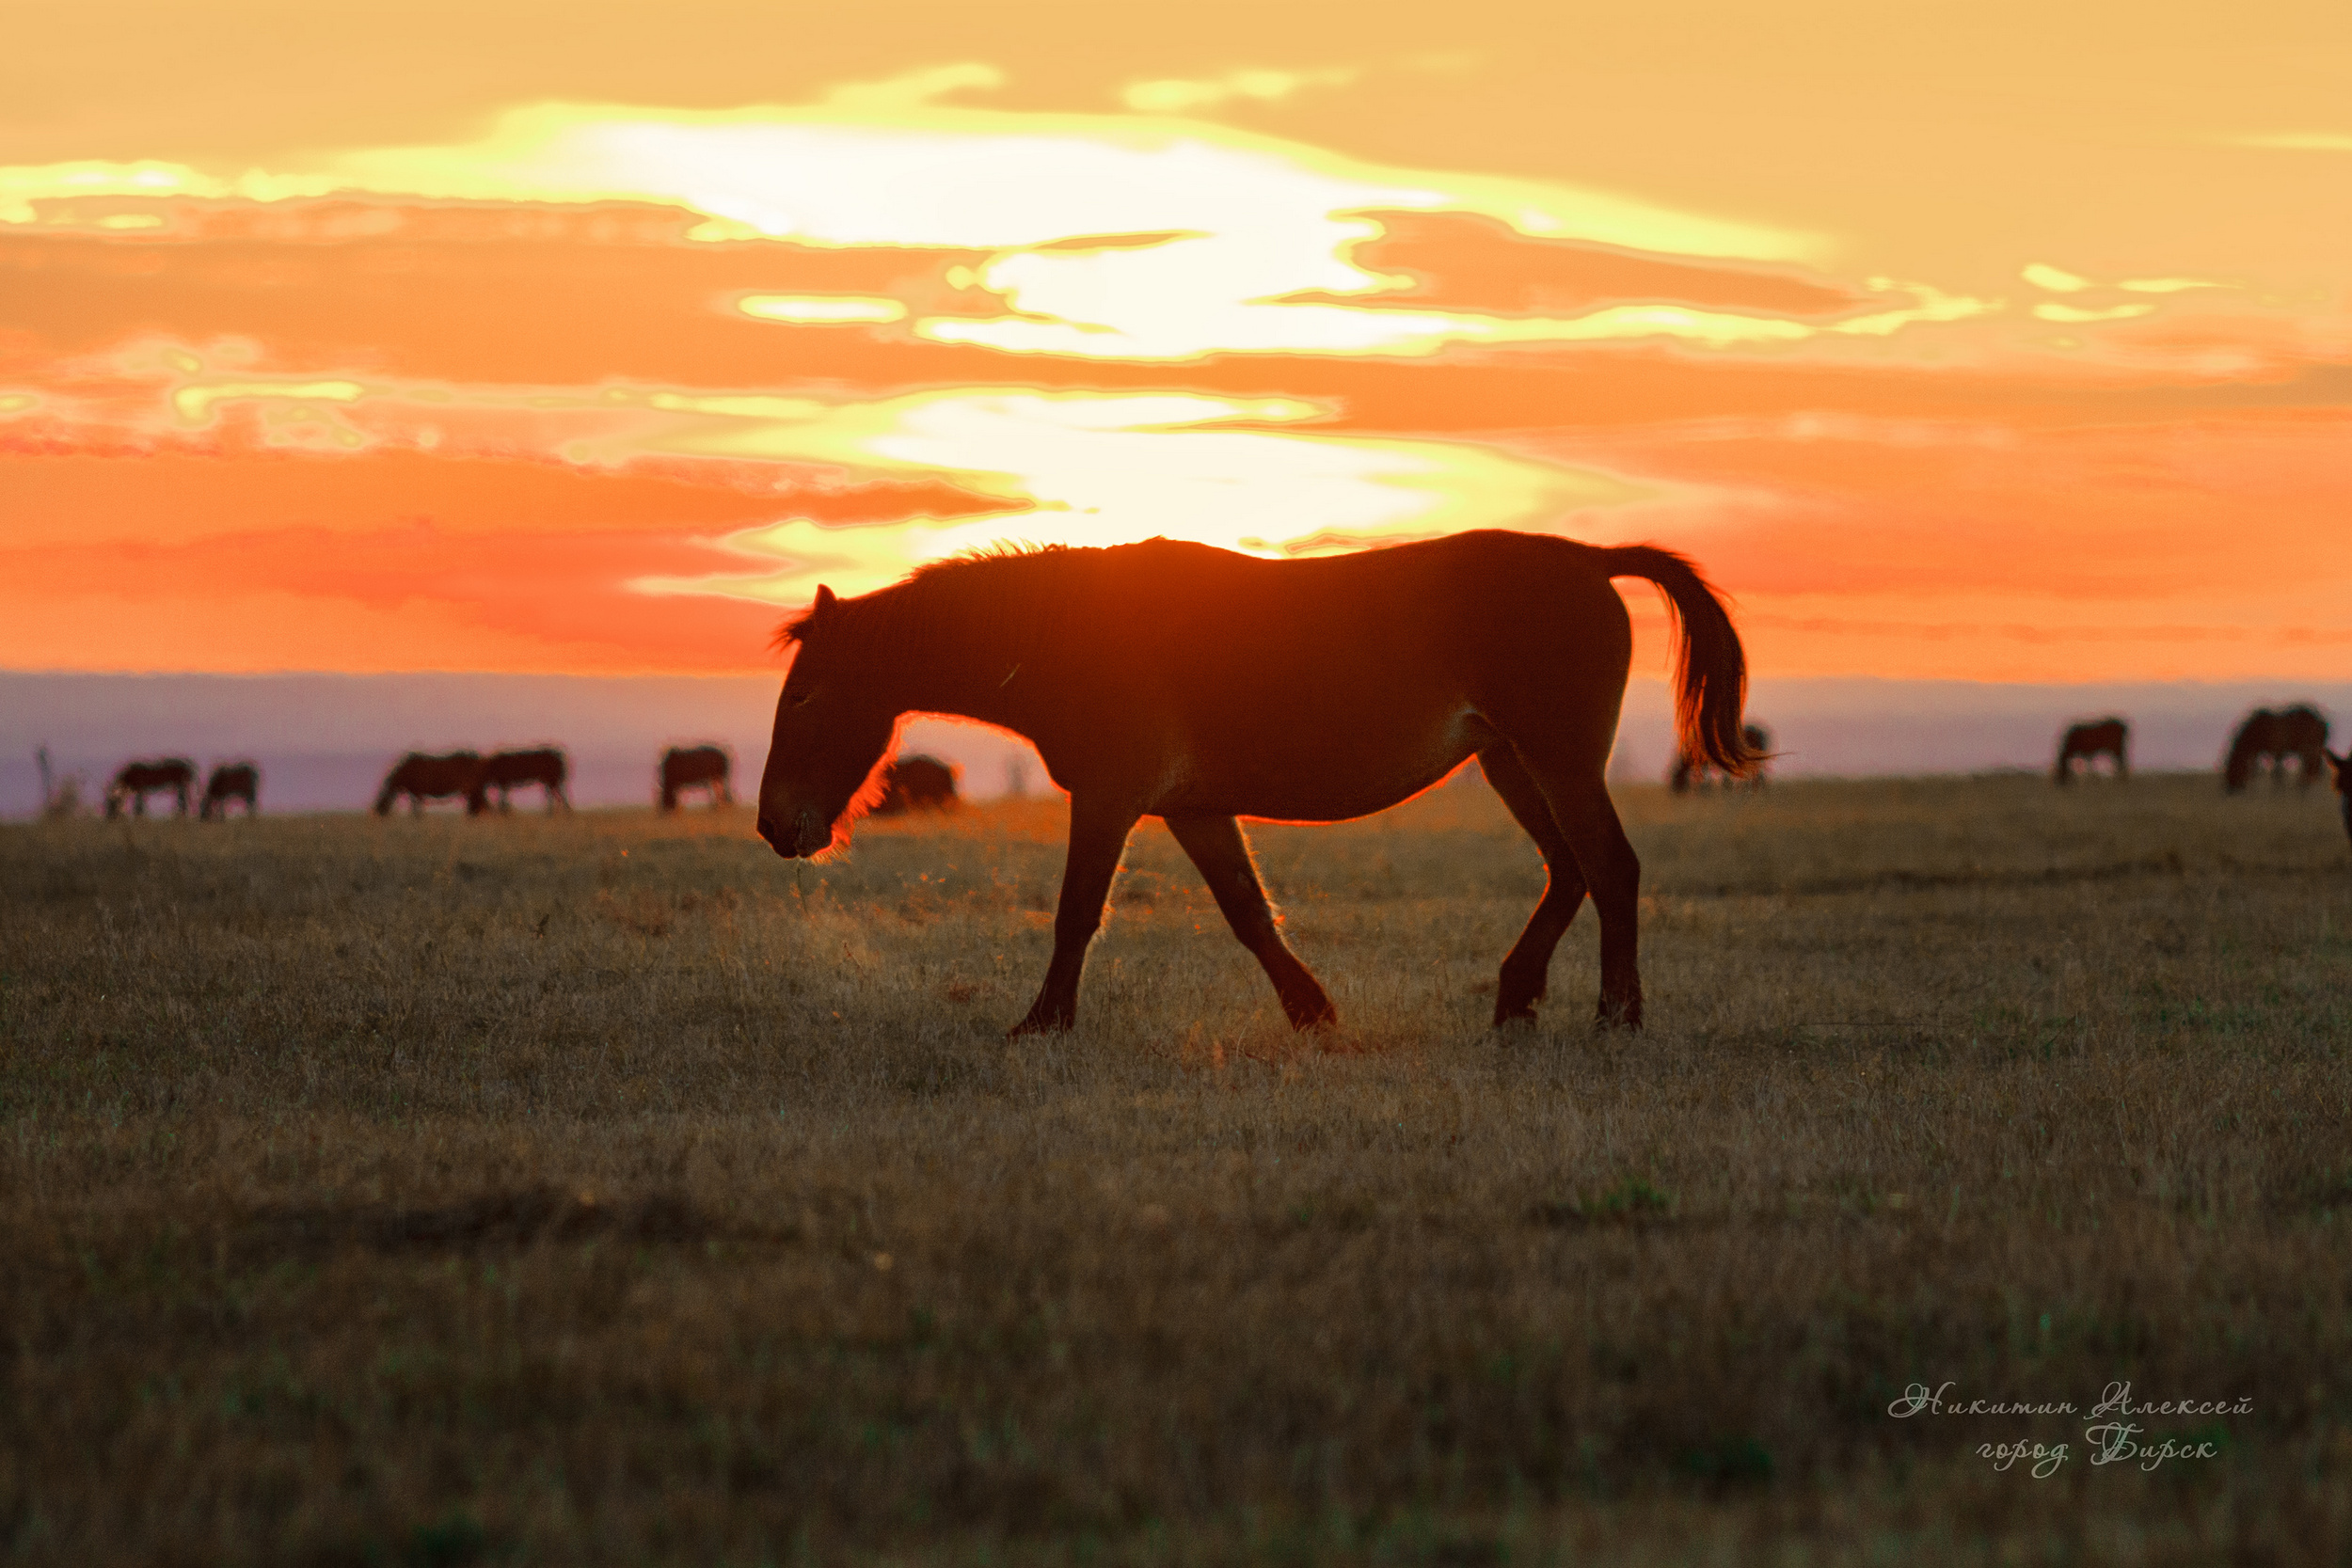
[{"x": 950, "y": 657}]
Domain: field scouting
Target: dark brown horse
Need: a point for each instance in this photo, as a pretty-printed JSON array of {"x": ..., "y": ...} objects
[
  {"x": 507, "y": 772},
  {"x": 2299, "y": 732},
  {"x": 138, "y": 780},
  {"x": 917, "y": 784},
  {"x": 2342, "y": 766},
  {"x": 424, "y": 778},
  {"x": 1692, "y": 771},
  {"x": 2093, "y": 738},
  {"x": 1173, "y": 680},
  {"x": 686, "y": 768},
  {"x": 232, "y": 781}
]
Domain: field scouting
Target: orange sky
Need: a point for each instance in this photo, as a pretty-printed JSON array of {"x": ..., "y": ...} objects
[{"x": 1994, "y": 342}]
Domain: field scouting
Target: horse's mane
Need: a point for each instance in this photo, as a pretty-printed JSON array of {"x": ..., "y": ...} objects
[{"x": 1001, "y": 581}]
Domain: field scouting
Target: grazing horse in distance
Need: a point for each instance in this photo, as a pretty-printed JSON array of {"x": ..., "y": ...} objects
[
  {"x": 232, "y": 781},
  {"x": 2343, "y": 768},
  {"x": 918, "y": 784},
  {"x": 2299, "y": 732},
  {"x": 1199, "y": 685},
  {"x": 422, "y": 778},
  {"x": 685, "y": 768},
  {"x": 1691, "y": 770},
  {"x": 2095, "y": 738},
  {"x": 506, "y": 771},
  {"x": 138, "y": 780}
]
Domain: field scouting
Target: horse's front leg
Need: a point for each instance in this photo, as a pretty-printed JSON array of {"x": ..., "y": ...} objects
[{"x": 1098, "y": 837}]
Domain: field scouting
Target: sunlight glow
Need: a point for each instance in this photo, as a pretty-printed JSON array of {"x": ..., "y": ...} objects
[{"x": 1113, "y": 469}]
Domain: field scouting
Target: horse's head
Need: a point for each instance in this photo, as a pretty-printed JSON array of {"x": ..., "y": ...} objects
[{"x": 832, "y": 729}]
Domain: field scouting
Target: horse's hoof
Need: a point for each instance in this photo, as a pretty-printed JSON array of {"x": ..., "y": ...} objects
[
  {"x": 1618, "y": 1015},
  {"x": 1325, "y": 1017},
  {"x": 1519, "y": 1017}
]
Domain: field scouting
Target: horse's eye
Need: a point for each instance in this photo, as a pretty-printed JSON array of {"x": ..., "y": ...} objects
[{"x": 803, "y": 699}]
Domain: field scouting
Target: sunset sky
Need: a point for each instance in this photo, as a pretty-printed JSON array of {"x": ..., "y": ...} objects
[{"x": 1986, "y": 341}]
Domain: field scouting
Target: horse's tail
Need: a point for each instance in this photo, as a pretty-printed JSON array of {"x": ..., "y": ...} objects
[{"x": 1712, "y": 669}]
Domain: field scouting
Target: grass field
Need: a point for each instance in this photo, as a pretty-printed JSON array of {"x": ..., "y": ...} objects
[{"x": 606, "y": 1190}]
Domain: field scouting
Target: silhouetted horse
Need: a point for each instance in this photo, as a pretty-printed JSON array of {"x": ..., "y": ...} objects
[
  {"x": 232, "y": 781},
  {"x": 2297, "y": 732},
  {"x": 1692, "y": 771},
  {"x": 2095, "y": 738},
  {"x": 2342, "y": 766},
  {"x": 1173, "y": 680},
  {"x": 506, "y": 771},
  {"x": 424, "y": 778},
  {"x": 917, "y": 784},
  {"x": 138, "y": 780},
  {"x": 686, "y": 768}
]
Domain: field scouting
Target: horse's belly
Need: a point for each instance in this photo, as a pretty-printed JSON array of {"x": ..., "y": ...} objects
[{"x": 1308, "y": 774}]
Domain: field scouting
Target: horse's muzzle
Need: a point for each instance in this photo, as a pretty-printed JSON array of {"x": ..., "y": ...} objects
[{"x": 808, "y": 835}]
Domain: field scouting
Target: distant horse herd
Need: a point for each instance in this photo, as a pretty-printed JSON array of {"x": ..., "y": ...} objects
[
  {"x": 2264, "y": 740},
  {"x": 2267, "y": 740},
  {"x": 910, "y": 784}
]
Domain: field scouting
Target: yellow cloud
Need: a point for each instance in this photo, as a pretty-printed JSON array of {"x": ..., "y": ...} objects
[
  {"x": 1176, "y": 96},
  {"x": 2300, "y": 141},
  {"x": 2052, "y": 312},
  {"x": 917, "y": 87},
  {"x": 820, "y": 308},
  {"x": 194, "y": 403},
  {"x": 2043, "y": 276}
]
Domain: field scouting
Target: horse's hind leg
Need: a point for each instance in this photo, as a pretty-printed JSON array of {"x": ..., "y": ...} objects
[
  {"x": 1579, "y": 798},
  {"x": 1221, "y": 854},
  {"x": 1527, "y": 969}
]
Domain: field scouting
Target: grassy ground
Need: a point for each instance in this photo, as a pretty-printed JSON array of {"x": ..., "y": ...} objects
[{"x": 604, "y": 1189}]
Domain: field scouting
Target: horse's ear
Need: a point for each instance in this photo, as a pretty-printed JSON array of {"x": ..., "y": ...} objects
[{"x": 824, "y": 600}]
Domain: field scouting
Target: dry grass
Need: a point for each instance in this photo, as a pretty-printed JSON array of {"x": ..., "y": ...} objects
[{"x": 602, "y": 1190}]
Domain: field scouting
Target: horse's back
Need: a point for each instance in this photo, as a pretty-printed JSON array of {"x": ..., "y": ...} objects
[
  {"x": 1334, "y": 686},
  {"x": 540, "y": 765},
  {"x": 1358, "y": 630},
  {"x": 684, "y": 765}
]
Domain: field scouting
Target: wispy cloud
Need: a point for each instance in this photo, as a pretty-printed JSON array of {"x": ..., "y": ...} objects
[
  {"x": 916, "y": 89},
  {"x": 2299, "y": 141},
  {"x": 1184, "y": 96}
]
